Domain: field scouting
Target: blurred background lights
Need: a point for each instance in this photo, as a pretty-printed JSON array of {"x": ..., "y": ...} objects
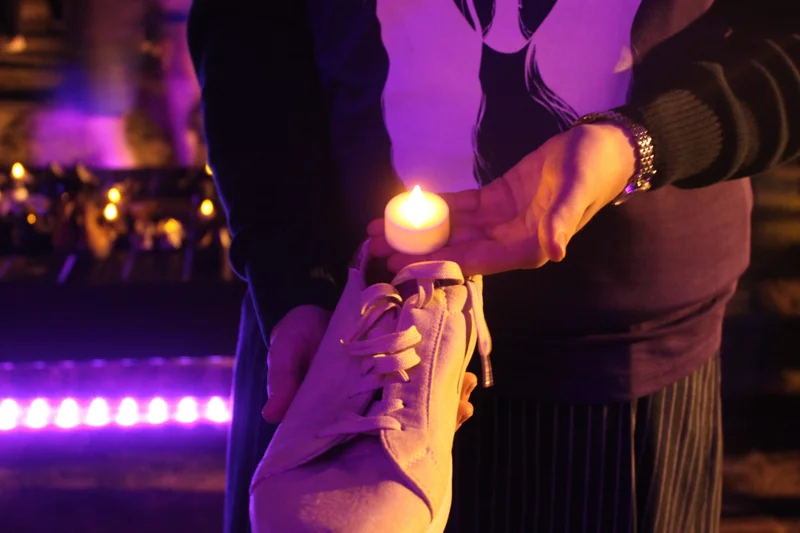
[
  {"x": 110, "y": 212},
  {"x": 157, "y": 411},
  {"x": 68, "y": 414},
  {"x": 207, "y": 208},
  {"x": 128, "y": 412},
  {"x": 114, "y": 196},
  {"x": 9, "y": 414},
  {"x": 98, "y": 413},
  {"x": 187, "y": 411},
  {"x": 217, "y": 411},
  {"x": 38, "y": 414},
  {"x": 17, "y": 171}
]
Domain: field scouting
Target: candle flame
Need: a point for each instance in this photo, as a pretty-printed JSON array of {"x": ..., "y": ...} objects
[{"x": 417, "y": 208}]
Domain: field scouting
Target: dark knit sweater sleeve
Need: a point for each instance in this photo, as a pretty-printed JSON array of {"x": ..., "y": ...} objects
[
  {"x": 728, "y": 119},
  {"x": 268, "y": 147}
]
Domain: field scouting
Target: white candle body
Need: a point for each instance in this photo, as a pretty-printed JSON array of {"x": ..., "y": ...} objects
[{"x": 417, "y": 223}]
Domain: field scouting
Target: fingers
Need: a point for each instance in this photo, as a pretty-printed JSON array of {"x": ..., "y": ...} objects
[
  {"x": 375, "y": 228},
  {"x": 468, "y": 385},
  {"x": 484, "y": 257},
  {"x": 465, "y": 412},
  {"x": 489, "y": 205},
  {"x": 379, "y": 247},
  {"x": 293, "y": 343},
  {"x": 474, "y": 215},
  {"x": 559, "y": 223},
  {"x": 468, "y": 201},
  {"x": 286, "y": 366},
  {"x": 465, "y": 408}
]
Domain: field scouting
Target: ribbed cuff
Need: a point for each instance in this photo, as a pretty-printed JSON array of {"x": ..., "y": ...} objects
[{"x": 686, "y": 133}]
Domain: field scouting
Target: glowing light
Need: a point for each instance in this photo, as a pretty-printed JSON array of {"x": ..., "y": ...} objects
[
  {"x": 217, "y": 411},
  {"x": 207, "y": 208},
  {"x": 31, "y": 218},
  {"x": 110, "y": 212},
  {"x": 417, "y": 223},
  {"x": 68, "y": 415},
  {"x": 157, "y": 411},
  {"x": 128, "y": 412},
  {"x": 20, "y": 194},
  {"x": 9, "y": 414},
  {"x": 417, "y": 209},
  {"x": 114, "y": 196},
  {"x": 186, "y": 412},
  {"x": 223, "y": 360},
  {"x": 98, "y": 414},
  {"x": 17, "y": 171},
  {"x": 38, "y": 414},
  {"x": 171, "y": 225},
  {"x": 173, "y": 231},
  {"x": 208, "y": 170}
]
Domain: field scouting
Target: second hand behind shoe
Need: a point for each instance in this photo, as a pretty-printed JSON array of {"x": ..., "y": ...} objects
[{"x": 366, "y": 446}]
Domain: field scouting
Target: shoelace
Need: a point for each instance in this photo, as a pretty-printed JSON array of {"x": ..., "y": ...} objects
[{"x": 387, "y": 358}]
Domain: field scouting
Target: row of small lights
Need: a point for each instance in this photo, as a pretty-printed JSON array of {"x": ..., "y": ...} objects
[
  {"x": 114, "y": 195},
  {"x": 111, "y": 211},
  {"x": 69, "y": 414}
]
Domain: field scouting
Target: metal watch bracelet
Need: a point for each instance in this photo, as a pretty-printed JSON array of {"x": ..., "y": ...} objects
[{"x": 642, "y": 144}]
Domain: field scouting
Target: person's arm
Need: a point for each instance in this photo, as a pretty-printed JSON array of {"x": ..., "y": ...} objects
[
  {"x": 268, "y": 145},
  {"x": 733, "y": 118}
]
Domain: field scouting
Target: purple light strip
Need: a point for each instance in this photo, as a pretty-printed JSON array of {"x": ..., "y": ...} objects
[
  {"x": 70, "y": 414},
  {"x": 215, "y": 360}
]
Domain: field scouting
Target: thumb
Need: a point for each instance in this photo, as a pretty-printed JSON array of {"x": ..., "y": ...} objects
[{"x": 561, "y": 222}]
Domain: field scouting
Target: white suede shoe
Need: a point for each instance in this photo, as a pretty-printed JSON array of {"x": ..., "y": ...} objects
[{"x": 366, "y": 446}]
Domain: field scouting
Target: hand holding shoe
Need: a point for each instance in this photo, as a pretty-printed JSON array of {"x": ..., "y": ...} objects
[
  {"x": 294, "y": 341},
  {"x": 292, "y": 344}
]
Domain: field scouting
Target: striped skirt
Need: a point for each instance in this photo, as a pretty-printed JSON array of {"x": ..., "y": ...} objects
[
  {"x": 652, "y": 465},
  {"x": 649, "y": 466}
]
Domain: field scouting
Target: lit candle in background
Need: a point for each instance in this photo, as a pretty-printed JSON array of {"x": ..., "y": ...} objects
[
  {"x": 110, "y": 212},
  {"x": 18, "y": 171},
  {"x": 114, "y": 196},
  {"x": 416, "y": 222}
]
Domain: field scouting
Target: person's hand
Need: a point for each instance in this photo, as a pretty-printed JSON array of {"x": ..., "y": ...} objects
[
  {"x": 465, "y": 408},
  {"x": 292, "y": 344},
  {"x": 294, "y": 341},
  {"x": 528, "y": 216}
]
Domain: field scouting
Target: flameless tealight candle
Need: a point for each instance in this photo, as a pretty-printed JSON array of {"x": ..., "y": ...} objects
[{"x": 416, "y": 222}]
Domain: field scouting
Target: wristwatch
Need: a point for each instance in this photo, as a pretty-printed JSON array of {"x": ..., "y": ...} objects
[{"x": 642, "y": 144}]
